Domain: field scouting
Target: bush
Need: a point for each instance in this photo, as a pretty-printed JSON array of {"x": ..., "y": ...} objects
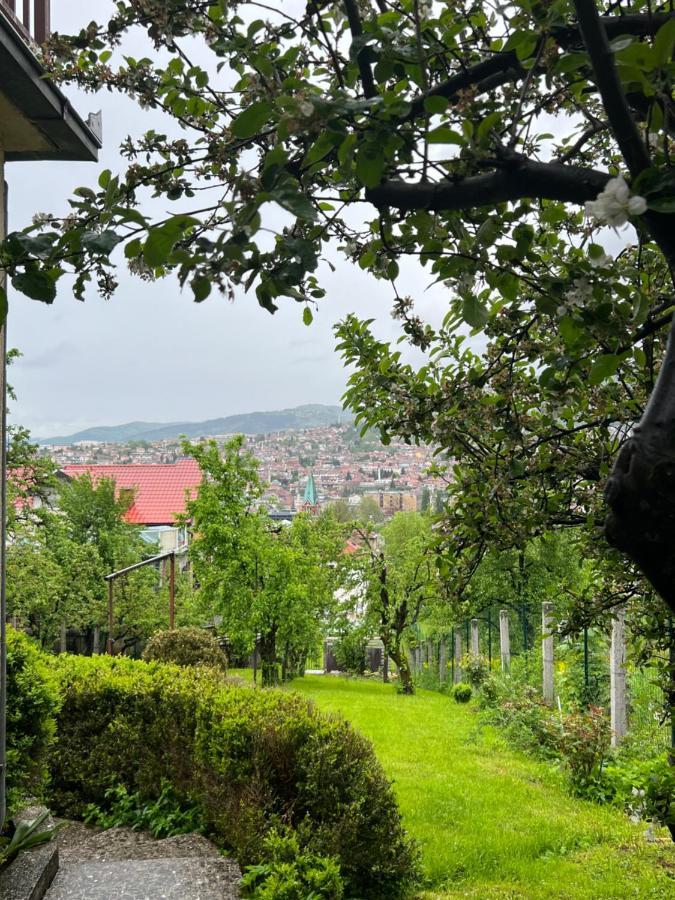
[
  {"x": 476, "y": 668},
  {"x": 32, "y": 702},
  {"x": 185, "y": 647},
  {"x": 584, "y": 745},
  {"x": 251, "y": 760},
  {"x": 527, "y": 722},
  {"x": 462, "y": 692},
  {"x": 291, "y": 873},
  {"x": 351, "y": 653},
  {"x": 644, "y": 788}
]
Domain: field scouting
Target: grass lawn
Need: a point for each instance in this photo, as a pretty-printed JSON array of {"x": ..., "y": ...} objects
[{"x": 491, "y": 822}]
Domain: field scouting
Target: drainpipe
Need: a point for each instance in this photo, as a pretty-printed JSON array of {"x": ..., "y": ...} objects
[{"x": 3, "y": 515}]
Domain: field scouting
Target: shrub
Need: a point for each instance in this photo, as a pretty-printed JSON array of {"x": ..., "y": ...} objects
[
  {"x": 249, "y": 759},
  {"x": 185, "y": 647},
  {"x": 476, "y": 668},
  {"x": 527, "y": 722},
  {"x": 462, "y": 692},
  {"x": 645, "y": 788},
  {"x": 584, "y": 745},
  {"x": 351, "y": 652},
  {"x": 32, "y": 702},
  {"x": 291, "y": 873}
]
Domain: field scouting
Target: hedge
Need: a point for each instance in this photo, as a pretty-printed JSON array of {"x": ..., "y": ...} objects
[
  {"x": 185, "y": 647},
  {"x": 251, "y": 759},
  {"x": 32, "y": 701}
]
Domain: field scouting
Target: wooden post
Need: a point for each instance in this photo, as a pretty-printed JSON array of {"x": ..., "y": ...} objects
[
  {"x": 458, "y": 656},
  {"x": 504, "y": 644},
  {"x": 474, "y": 637},
  {"x": 172, "y": 591},
  {"x": 442, "y": 661},
  {"x": 110, "y": 616},
  {"x": 617, "y": 678},
  {"x": 547, "y": 651}
]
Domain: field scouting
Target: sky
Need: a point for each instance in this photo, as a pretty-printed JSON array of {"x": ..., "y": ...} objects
[{"x": 150, "y": 353}]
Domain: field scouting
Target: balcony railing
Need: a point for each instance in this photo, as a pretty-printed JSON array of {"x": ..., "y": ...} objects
[{"x": 30, "y": 17}]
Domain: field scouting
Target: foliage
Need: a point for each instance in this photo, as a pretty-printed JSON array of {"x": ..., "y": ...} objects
[
  {"x": 400, "y": 578},
  {"x": 292, "y": 873},
  {"x": 351, "y": 652},
  {"x": 185, "y": 647},
  {"x": 584, "y": 746},
  {"x": 26, "y": 836},
  {"x": 476, "y": 668},
  {"x": 462, "y": 692},
  {"x": 164, "y": 816},
  {"x": 644, "y": 787},
  {"x": 32, "y": 704},
  {"x": 263, "y": 579},
  {"x": 246, "y": 758}
]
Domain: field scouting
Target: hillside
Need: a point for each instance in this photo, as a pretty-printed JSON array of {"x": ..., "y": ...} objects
[{"x": 312, "y": 415}]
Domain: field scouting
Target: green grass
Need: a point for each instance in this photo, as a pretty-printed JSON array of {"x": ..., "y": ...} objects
[{"x": 491, "y": 822}]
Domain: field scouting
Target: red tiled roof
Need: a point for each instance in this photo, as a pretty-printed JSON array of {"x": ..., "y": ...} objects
[{"x": 159, "y": 488}]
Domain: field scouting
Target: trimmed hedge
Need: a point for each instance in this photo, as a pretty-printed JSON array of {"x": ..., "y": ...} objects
[
  {"x": 251, "y": 759},
  {"x": 185, "y": 647},
  {"x": 32, "y": 701}
]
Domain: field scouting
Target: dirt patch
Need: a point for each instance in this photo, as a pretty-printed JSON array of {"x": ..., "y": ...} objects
[{"x": 79, "y": 842}]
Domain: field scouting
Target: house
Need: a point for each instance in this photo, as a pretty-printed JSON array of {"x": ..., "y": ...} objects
[
  {"x": 36, "y": 123},
  {"x": 160, "y": 491}
]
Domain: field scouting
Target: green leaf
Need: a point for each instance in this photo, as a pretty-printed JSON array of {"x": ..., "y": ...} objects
[
  {"x": 159, "y": 244},
  {"x": 307, "y": 316},
  {"x": 603, "y": 367},
  {"x": 445, "y": 135},
  {"x": 474, "y": 312},
  {"x": 664, "y": 43},
  {"x": 201, "y": 287},
  {"x": 370, "y": 165},
  {"x": 252, "y": 119},
  {"x": 294, "y": 201},
  {"x": 436, "y": 105},
  {"x": 36, "y": 284}
]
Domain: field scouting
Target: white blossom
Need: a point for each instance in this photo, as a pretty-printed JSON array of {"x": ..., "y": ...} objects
[
  {"x": 603, "y": 261},
  {"x": 424, "y": 9},
  {"x": 614, "y": 205}
]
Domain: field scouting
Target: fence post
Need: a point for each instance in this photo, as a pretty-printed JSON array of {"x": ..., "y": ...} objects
[
  {"x": 474, "y": 637},
  {"x": 430, "y": 653},
  {"x": 547, "y": 651},
  {"x": 504, "y": 645},
  {"x": 458, "y": 656},
  {"x": 63, "y": 638},
  {"x": 617, "y": 677},
  {"x": 442, "y": 661}
]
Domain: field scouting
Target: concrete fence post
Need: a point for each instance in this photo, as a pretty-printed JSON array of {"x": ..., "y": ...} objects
[
  {"x": 458, "y": 655},
  {"x": 617, "y": 678},
  {"x": 504, "y": 643},
  {"x": 442, "y": 661},
  {"x": 474, "y": 637},
  {"x": 547, "y": 651}
]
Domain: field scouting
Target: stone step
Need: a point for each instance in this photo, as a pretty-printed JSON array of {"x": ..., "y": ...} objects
[{"x": 191, "y": 878}]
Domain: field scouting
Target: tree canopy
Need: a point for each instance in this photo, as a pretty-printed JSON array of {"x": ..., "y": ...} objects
[{"x": 492, "y": 142}]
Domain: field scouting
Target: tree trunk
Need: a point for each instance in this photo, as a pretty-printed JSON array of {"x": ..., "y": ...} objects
[
  {"x": 269, "y": 661},
  {"x": 641, "y": 489},
  {"x": 401, "y": 659}
]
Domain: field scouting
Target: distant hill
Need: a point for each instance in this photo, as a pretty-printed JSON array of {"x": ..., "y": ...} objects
[{"x": 312, "y": 415}]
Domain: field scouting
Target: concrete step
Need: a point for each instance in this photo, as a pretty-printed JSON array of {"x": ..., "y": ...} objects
[{"x": 191, "y": 878}]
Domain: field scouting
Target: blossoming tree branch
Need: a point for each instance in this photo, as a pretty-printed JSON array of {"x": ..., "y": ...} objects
[{"x": 503, "y": 145}]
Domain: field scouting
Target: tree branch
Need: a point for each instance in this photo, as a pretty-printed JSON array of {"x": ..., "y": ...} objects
[
  {"x": 614, "y": 100},
  {"x": 354, "y": 19},
  {"x": 516, "y": 180}
]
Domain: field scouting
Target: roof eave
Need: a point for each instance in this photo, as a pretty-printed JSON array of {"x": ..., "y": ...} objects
[{"x": 23, "y": 81}]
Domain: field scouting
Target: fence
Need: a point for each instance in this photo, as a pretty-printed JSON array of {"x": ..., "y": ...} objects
[
  {"x": 31, "y": 18},
  {"x": 590, "y": 669}
]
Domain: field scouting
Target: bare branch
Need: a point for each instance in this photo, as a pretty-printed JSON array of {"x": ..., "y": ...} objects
[{"x": 354, "y": 19}]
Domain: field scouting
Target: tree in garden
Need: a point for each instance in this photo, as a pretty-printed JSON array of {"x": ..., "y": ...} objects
[
  {"x": 272, "y": 585},
  {"x": 439, "y": 116},
  {"x": 399, "y": 573}
]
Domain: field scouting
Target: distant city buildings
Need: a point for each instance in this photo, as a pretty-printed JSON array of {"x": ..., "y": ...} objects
[{"x": 331, "y": 462}]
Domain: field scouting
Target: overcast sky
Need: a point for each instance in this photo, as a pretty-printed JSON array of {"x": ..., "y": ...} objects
[{"x": 150, "y": 353}]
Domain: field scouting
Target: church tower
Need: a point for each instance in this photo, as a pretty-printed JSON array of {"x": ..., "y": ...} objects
[{"x": 310, "y": 502}]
